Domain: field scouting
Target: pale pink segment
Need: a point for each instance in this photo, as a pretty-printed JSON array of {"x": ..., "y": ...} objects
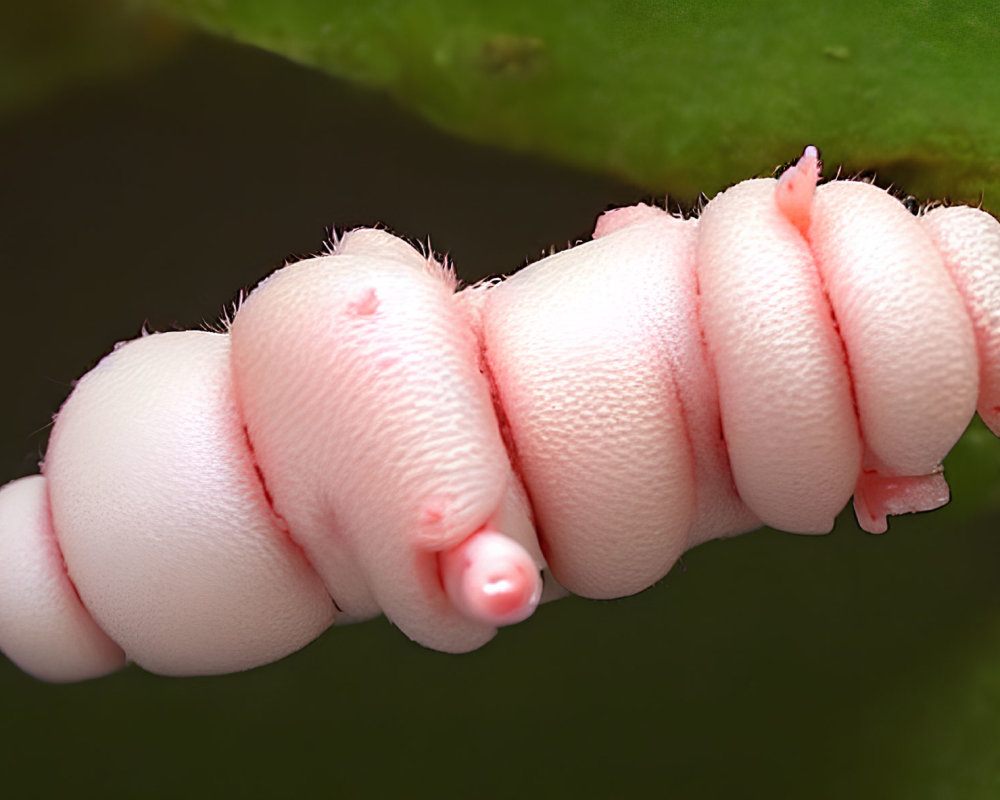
[
  {"x": 969, "y": 241},
  {"x": 44, "y": 628},
  {"x": 492, "y": 578},
  {"x": 784, "y": 390},
  {"x": 617, "y": 218},
  {"x": 359, "y": 381},
  {"x": 720, "y": 512},
  {"x": 162, "y": 518},
  {"x": 590, "y": 351},
  {"x": 909, "y": 341}
]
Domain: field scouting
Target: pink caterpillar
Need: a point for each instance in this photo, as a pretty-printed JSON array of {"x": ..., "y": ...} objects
[{"x": 366, "y": 439}]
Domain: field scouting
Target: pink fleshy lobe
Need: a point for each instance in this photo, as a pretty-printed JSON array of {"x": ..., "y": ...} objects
[
  {"x": 784, "y": 390},
  {"x": 877, "y": 496},
  {"x": 44, "y": 628},
  {"x": 907, "y": 337},
  {"x": 163, "y": 520},
  {"x": 969, "y": 242},
  {"x": 598, "y": 366},
  {"x": 376, "y": 433}
]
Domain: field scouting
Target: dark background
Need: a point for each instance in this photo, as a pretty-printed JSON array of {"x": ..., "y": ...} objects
[{"x": 764, "y": 666}]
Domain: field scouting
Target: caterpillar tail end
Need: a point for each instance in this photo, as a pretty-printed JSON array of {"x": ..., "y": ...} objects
[
  {"x": 796, "y": 186},
  {"x": 491, "y": 578}
]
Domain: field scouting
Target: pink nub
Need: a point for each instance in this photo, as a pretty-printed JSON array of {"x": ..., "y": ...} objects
[
  {"x": 491, "y": 578},
  {"x": 796, "y": 187}
]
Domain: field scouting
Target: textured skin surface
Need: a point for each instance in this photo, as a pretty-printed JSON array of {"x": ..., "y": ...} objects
[
  {"x": 371, "y": 497},
  {"x": 368, "y": 439},
  {"x": 162, "y": 521},
  {"x": 909, "y": 342},
  {"x": 969, "y": 243},
  {"x": 784, "y": 392},
  {"x": 44, "y": 627},
  {"x": 594, "y": 352}
]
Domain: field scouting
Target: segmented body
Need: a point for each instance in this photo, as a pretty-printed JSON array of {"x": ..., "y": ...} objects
[{"x": 366, "y": 439}]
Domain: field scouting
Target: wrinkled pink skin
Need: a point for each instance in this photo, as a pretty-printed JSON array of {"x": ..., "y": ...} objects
[{"x": 367, "y": 440}]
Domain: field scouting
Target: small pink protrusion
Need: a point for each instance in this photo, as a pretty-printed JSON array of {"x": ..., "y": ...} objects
[
  {"x": 491, "y": 578},
  {"x": 878, "y": 496},
  {"x": 366, "y": 303},
  {"x": 617, "y": 218},
  {"x": 796, "y": 186}
]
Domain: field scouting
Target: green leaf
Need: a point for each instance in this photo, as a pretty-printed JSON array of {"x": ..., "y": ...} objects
[{"x": 684, "y": 97}]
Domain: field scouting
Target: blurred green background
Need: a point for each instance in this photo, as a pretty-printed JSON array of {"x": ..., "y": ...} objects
[{"x": 147, "y": 173}]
